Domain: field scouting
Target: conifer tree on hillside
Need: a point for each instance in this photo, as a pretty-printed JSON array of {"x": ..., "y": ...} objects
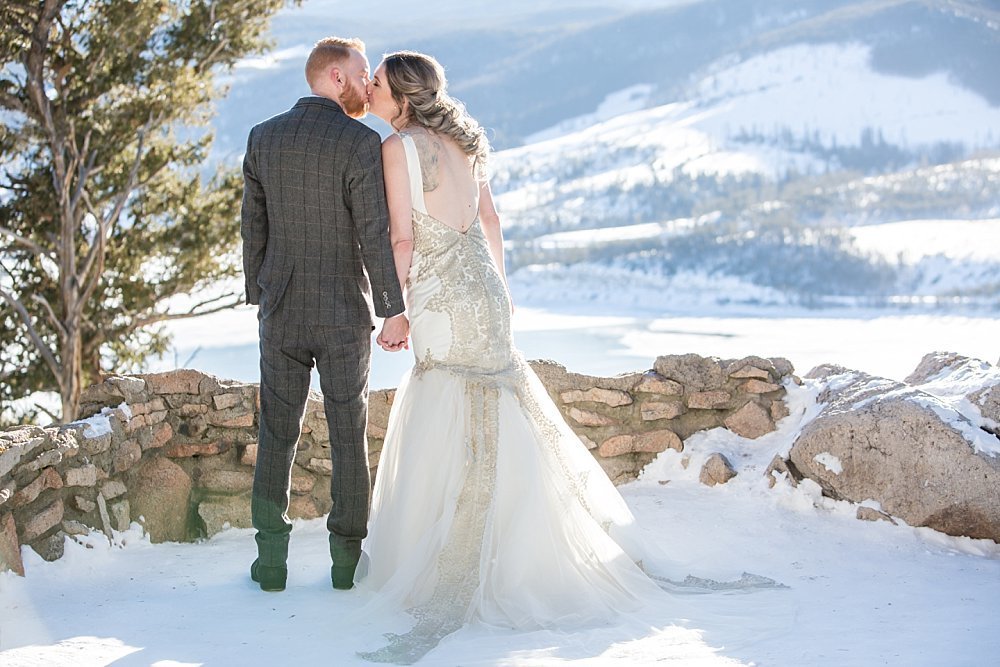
[{"x": 105, "y": 213}]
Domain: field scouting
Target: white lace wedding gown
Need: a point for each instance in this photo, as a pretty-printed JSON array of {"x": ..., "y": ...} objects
[{"x": 487, "y": 507}]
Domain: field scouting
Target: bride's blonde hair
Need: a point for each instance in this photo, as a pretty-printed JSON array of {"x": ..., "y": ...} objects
[{"x": 419, "y": 79}]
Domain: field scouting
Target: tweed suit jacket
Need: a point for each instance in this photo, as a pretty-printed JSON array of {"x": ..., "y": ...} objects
[{"x": 314, "y": 220}]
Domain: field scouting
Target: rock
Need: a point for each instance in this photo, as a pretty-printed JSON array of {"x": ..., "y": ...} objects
[
  {"x": 226, "y": 481},
  {"x": 692, "y": 371},
  {"x": 779, "y": 410},
  {"x": 612, "y": 397},
  {"x": 651, "y": 442},
  {"x": 17, "y": 443},
  {"x": 871, "y": 514},
  {"x": 933, "y": 364},
  {"x": 223, "y": 511},
  {"x": 43, "y": 521},
  {"x": 51, "y": 548},
  {"x": 717, "y": 470},
  {"x": 780, "y": 465},
  {"x": 897, "y": 449},
  {"x": 117, "y": 386},
  {"x": 709, "y": 400},
  {"x": 321, "y": 466},
  {"x": 83, "y": 504},
  {"x": 127, "y": 454},
  {"x": 159, "y": 491},
  {"x": 750, "y": 372},
  {"x": 82, "y": 476},
  {"x": 754, "y": 386},
  {"x": 158, "y": 436},
  {"x": 46, "y": 459},
  {"x": 302, "y": 507},
  {"x": 654, "y": 383},
  {"x": 223, "y": 401},
  {"x": 155, "y": 405},
  {"x": 120, "y": 515},
  {"x": 129, "y": 388},
  {"x": 625, "y": 468},
  {"x": 232, "y": 418},
  {"x": 192, "y": 409},
  {"x": 112, "y": 489},
  {"x": 10, "y": 547},
  {"x": 181, "y": 381},
  {"x": 75, "y": 528},
  {"x": 182, "y": 450},
  {"x": 248, "y": 455},
  {"x": 782, "y": 367},
  {"x": 751, "y": 421},
  {"x": 971, "y": 372},
  {"x": 302, "y": 482},
  {"x": 93, "y": 445},
  {"x": 587, "y": 442},
  {"x": 102, "y": 510},
  {"x": 988, "y": 402},
  {"x": 652, "y": 411},
  {"x": 47, "y": 479},
  {"x": 586, "y": 418}
]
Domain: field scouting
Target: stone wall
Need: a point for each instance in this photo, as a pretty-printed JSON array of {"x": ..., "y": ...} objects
[{"x": 176, "y": 450}]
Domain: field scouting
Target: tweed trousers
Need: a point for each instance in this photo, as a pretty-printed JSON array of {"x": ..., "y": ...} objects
[{"x": 342, "y": 356}]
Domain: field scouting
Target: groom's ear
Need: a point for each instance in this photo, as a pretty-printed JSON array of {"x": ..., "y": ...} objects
[{"x": 336, "y": 78}]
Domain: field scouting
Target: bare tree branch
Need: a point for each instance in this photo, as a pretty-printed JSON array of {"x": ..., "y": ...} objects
[
  {"x": 39, "y": 299},
  {"x": 40, "y": 345},
  {"x": 194, "y": 312},
  {"x": 93, "y": 265},
  {"x": 26, "y": 243}
]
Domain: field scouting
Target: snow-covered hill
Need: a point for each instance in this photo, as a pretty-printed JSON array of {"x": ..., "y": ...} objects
[
  {"x": 719, "y": 152},
  {"x": 749, "y": 176}
]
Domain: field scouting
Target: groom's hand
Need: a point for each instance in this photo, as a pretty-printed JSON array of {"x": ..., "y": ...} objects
[{"x": 395, "y": 334}]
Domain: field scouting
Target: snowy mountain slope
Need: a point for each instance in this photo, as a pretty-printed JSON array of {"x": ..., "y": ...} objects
[
  {"x": 939, "y": 257},
  {"x": 756, "y": 118},
  {"x": 723, "y": 187},
  {"x": 526, "y": 66}
]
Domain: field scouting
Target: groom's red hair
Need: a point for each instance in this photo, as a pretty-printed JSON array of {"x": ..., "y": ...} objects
[{"x": 330, "y": 51}]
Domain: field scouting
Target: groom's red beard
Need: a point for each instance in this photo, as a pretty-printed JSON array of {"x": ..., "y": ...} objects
[{"x": 355, "y": 102}]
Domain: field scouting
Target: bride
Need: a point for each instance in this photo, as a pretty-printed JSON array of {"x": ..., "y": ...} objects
[{"x": 487, "y": 508}]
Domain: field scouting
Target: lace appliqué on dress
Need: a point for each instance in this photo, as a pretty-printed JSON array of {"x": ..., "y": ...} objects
[{"x": 458, "y": 564}]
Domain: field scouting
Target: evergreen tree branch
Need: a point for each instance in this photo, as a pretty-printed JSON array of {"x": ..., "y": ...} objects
[
  {"x": 36, "y": 339},
  {"x": 12, "y": 102}
]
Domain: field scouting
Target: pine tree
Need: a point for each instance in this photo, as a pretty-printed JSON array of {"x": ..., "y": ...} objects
[{"x": 105, "y": 211}]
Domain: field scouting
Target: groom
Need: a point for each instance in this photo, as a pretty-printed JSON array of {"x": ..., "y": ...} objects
[{"x": 315, "y": 232}]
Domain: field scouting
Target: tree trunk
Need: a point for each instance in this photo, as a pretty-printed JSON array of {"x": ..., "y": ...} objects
[{"x": 72, "y": 373}]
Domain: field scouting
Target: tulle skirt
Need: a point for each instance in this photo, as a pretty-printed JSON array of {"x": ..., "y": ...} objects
[{"x": 488, "y": 508}]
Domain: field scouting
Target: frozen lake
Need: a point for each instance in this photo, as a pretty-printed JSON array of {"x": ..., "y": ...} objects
[{"x": 884, "y": 343}]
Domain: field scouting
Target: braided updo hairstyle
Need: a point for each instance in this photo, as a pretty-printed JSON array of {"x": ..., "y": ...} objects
[{"x": 419, "y": 79}]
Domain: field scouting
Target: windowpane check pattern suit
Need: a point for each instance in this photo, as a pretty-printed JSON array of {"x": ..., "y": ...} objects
[{"x": 315, "y": 252}]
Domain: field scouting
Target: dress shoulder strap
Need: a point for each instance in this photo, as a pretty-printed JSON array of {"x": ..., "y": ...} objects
[{"x": 416, "y": 177}]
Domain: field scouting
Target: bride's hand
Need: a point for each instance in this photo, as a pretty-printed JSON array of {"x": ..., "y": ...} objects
[{"x": 395, "y": 334}]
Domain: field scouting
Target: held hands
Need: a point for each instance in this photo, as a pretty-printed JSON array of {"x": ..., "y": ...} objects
[{"x": 395, "y": 334}]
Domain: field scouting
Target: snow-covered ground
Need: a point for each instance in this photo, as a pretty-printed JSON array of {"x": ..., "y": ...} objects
[{"x": 856, "y": 593}]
